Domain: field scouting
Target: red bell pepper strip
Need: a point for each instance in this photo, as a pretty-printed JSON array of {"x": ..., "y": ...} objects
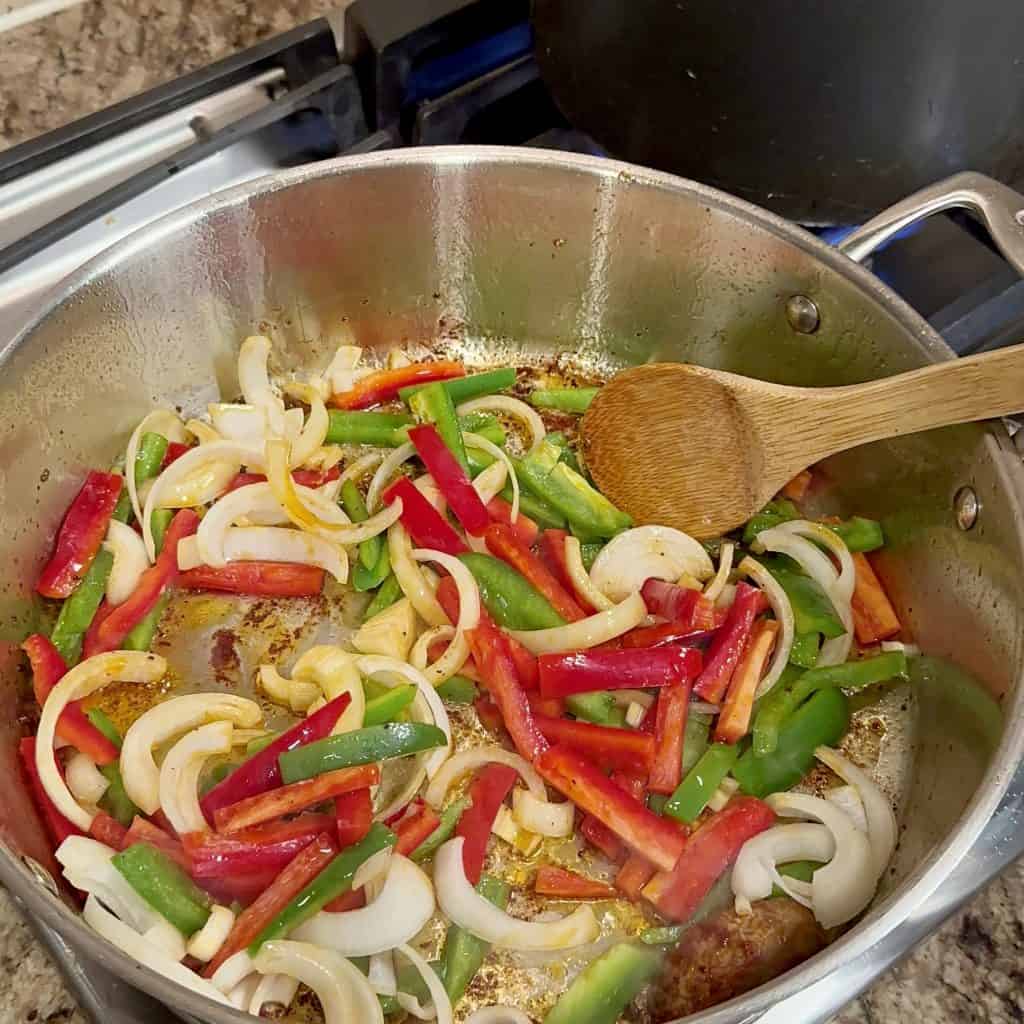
[
  {"x": 552, "y": 707},
  {"x": 265, "y": 848},
  {"x": 568, "y": 885},
  {"x": 295, "y": 797},
  {"x": 80, "y": 535},
  {"x": 634, "y": 874},
  {"x": 261, "y": 771},
  {"x": 56, "y": 824},
  {"x": 490, "y": 717},
  {"x": 797, "y": 488},
  {"x": 414, "y": 828},
  {"x": 728, "y": 644},
  {"x": 487, "y": 791},
  {"x": 562, "y": 675},
  {"x": 427, "y": 527},
  {"x": 108, "y": 632},
  {"x": 670, "y": 601},
  {"x": 874, "y": 617},
  {"x": 351, "y": 900},
  {"x": 353, "y": 816},
  {"x": 143, "y": 831},
  {"x": 601, "y": 837},
  {"x": 552, "y": 553},
  {"x": 304, "y": 867},
  {"x": 500, "y": 511},
  {"x": 384, "y": 385},
  {"x": 302, "y": 477},
  {"x": 109, "y": 831},
  {"x": 734, "y": 721},
  {"x": 241, "y": 889},
  {"x": 262, "y": 579},
  {"x": 680, "y": 634},
  {"x": 451, "y": 479},
  {"x": 503, "y": 542},
  {"x": 706, "y": 855},
  {"x": 175, "y": 450},
  {"x": 612, "y": 747},
  {"x": 73, "y": 726},
  {"x": 669, "y": 727},
  {"x": 583, "y": 782}
]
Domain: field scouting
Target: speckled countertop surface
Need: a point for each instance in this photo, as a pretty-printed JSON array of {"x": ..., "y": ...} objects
[{"x": 73, "y": 63}]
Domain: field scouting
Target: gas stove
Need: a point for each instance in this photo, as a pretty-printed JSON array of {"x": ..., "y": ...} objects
[{"x": 398, "y": 73}]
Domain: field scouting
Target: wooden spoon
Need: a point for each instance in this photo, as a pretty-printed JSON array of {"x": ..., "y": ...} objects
[{"x": 703, "y": 450}]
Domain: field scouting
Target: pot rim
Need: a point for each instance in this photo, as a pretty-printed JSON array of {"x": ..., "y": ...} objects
[{"x": 881, "y": 919}]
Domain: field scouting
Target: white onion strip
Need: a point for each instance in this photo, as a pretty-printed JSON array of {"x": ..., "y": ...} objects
[
  {"x": 783, "y": 613},
  {"x": 457, "y": 652},
  {"x": 355, "y": 471},
  {"x": 725, "y": 558},
  {"x": 270, "y": 544},
  {"x": 498, "y": 1014},
  {"x": 411, "y": 579},
  {"x": 490, "y": 481},
  {"x": 581, "y": 581},
  {"x": 273, "y": 990},
  {"x": 541, "y": 816},
  {"x": 84, "y": 679},
  {"x": 589, "y": 632},
  {"x": 420, "y": 654},
  {"x": 314, "y": 433},
  {"x": 513, "y": 407},
  {"x": 159, "y": 421},
  {"x": 234, "y": 970},
  {"x": 387, "y": 469},
  {"x": 469, "y": 760},
  {"x": 462, "y": 904},
  {"x": 206, "y": 942},
  {"x": 476, "y": 441},
  {"x": 442, "y": 1005},
  {"x": 180, "y": 771},
  {"x": 86, "y": 782},
  {"x": 254, "y": 501},
  {"x": 130, "y": 561},
  {"x": 254, "y": 381}
]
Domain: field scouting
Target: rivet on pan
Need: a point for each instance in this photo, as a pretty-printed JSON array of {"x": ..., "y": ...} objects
[
  {"x": 40, "y": 874},
  {"x": 1019, "y": 217},
  {"x": 802, "y": 314},
  {"x": 966, "y": 507}
]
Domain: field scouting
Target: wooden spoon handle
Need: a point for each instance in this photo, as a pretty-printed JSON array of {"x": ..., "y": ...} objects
[{"x": 959, "y": 391}]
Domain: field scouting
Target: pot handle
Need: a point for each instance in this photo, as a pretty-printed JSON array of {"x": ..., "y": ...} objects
[{"x": 996, "y": 205}]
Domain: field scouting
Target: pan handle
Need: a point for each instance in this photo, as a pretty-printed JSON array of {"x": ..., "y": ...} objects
[{"x": 997, "y": 206}]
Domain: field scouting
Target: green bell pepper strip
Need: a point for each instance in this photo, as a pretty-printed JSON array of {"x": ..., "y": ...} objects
[
  {"x": 102, "y": 721},
  {"x": 164, "y": 886},
  {"x": 449, "y": 818},
  {"x": 512, "y": 601},
  {"x": 852, "y": 675},
  {"x": 668, "y": 935},
  {"x": 603, "y": 990},
  {"x": 474, "y": 385},
  {"x": 568, "y": 456},
  {"x": 374, "y": 562},
  {"x": 813, "y": 612},
  {"x": 589, "y": 552},
  {"x": 545, "y": 515},
  {"x": 218, "y": 773},
  {"x": 433, "y": 404},
  {"x": 695, "y": 740},
  {"x": 333, "y": 881},
  {"x": 380, "y": 429},
  {"x": 115, "y": 800},
  {"x": 805, "y": 649},
  {"x": 149, "y": 456},
  {"x": 656, "y": 803},
  {"x": 361, "y": 746},
  {"x": 255, "y": 745},
  {"x": 141, "y": 636},
  {"x": 802, "y": 870},
  {"x": 775, "y": 512},
  {"x": 699, "y": 785},
  {"x": 859, "y": 534},
  {"x": 387, "y": 594},
  {"x": 486, "y": 425},
  {"x": 77, "y": 611},
  {"x": 458, "y": 690},
  {"x": 545, "y": 476},
  {"x": 463, "y": 952},
  {"x": 563, "y": 399},
  {"x": 385, "y": 707},
  {"x": 159, "y": 520},
  {"x": 123, "y": 509},
  {"x": 597, "y": 706},
  {"x": 823, "y": 720}
]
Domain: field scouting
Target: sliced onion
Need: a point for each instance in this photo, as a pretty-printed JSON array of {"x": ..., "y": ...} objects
[
  {"x": 490, "y": 481},
  {"x": 374, "y": 869},
  {"x": 581, "y": 581},
  {"x": 725, "y": 557},
  {"x": 756, "y": 867},
  {"x": 83, "y": 680},
  {"x": 166, "y": 937},
  {"x": 241, "y": 995},
  {"x": 344, "y": 994},
  {"x": 634, "y": 556},
  {"x": 206, "y": 942},
  {"x": 203, "y": 432},
  {"x": 420, "y": 653},
  {"x": 166, "y": 720},
  {"x": 426, "y": 485},
  {"x": 273, "y": 990},
  {"x": 623, "y": 698},
  {"x": 498, "y": 1014},
  {"x": 234, "y": 970},
  {"x": 180, "y": 771},
  {"x": 314, "y": 433},
  {"x": 387, "y": 469},
  {"x": 844, "y": 887},
  {"x": 335, "y": 671},
  {"x": 701, "y": 707},
  {"x": 877, "y": 809},
  {"x": 541, "y": 816},
  {"x": 131, "y": 942},
  {"x": 783, "y": 613},
  {"x": 389, "y": 632},
  {"x": 255, "y": 502},
  {"x": 397, "y": 915},
  {"x": 442, "y": 1005},
  {"x": 910, "y": 650},
  {"x": 392, "y": 672},
  {"x": 848, "y": 800},
  {"x": 467, "y": 908},
  {"x": 457, "y": 652},
  {"x": 341, "y": 373},
  {"x": 410, "y": 577},
  {"x": 469, "y": 760},
  {"x": 270, "y": 544},
  {"x": 159, "y": 421},
  {"x": 513, "y": 407},
  {"x": 86, "y": 782},
  {"x": 589, "y": 632},
  {"x": 254, "y": 381},
  {"x": 130, "y": 561},
  {"x": 476, "y": 441},
  {"x": 381, "y": 975},
  {"x": 355, "y": 471},
  {"x": 236, "y": 421}
]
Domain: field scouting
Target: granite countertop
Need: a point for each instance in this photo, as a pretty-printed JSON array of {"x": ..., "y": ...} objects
[{"x": 106, "y": 50}]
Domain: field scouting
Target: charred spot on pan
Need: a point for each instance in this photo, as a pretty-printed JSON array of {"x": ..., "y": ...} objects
[{"x": 224, "y": 659}]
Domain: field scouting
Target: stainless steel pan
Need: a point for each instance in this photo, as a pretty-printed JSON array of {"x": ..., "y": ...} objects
[{"x": 511, "y": 254}]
